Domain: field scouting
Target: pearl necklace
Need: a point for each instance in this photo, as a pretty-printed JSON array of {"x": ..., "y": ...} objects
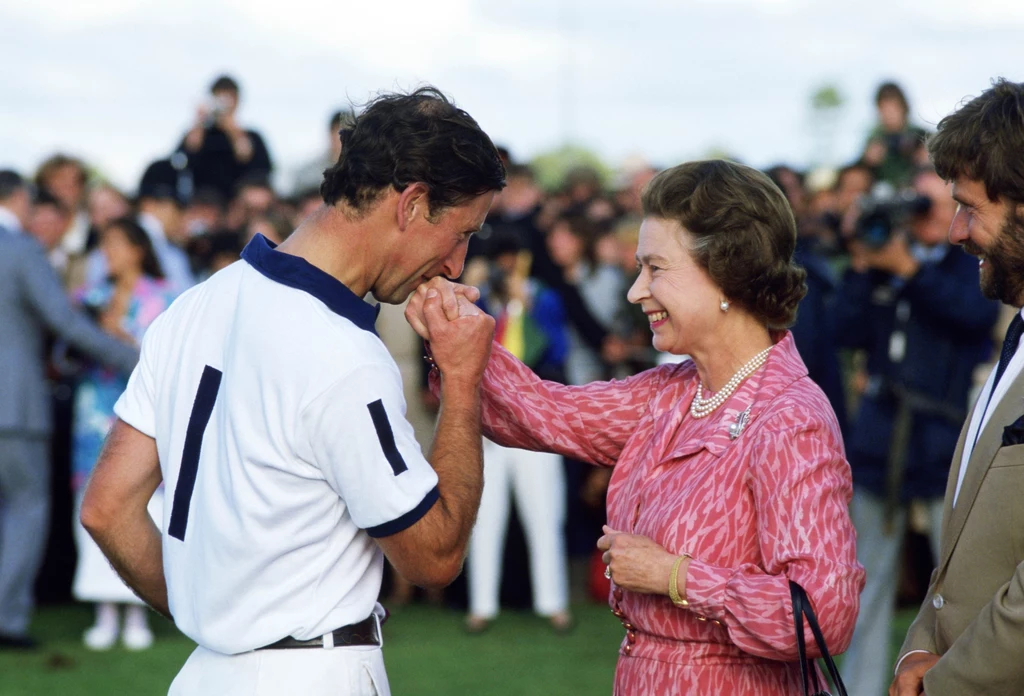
[{"x": 701, "y": 407}]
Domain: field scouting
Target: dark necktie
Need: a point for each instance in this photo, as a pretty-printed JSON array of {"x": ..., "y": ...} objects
[{"x": 1013, "y": 334}]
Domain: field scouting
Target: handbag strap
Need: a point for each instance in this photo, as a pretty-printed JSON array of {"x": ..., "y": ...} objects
[
  {"x": 802, "y": 608},
  {"x": 797, "y": 595}
]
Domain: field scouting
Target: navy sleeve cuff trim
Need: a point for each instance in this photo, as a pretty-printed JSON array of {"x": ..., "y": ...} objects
[{"x": 408, "y": 519}]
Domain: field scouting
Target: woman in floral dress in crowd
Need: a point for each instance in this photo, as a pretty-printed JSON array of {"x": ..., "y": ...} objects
[{"x": 124, "y": 304}]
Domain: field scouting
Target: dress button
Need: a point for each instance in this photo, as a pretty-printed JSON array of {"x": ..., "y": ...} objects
[
  {"x": 938, "y": 602},
  {"x": 701, "y": 617},
  {"x": 716, "y": 622}
]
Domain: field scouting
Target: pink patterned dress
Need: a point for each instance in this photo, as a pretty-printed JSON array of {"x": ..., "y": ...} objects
[{"x": 754, "y": 512}]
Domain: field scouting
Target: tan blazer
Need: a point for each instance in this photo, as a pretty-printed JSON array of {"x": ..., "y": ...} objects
[{"x": 973, "y": 614}]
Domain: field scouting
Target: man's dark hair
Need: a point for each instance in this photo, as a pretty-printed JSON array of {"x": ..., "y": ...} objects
[
  {"x": 161, "y": 181},
  {"x": 523, "y": 171},
  {"x": 856, "y": 166},
  {"x": 10, "y": 183},
  {"x": 983, "y": 141},
  {"x": 891, "y": 90},
  {"x": 584, "y": 229},
  {"x": 401, "y": 139},
  {"x": 210, "y": 197},
  {"x": 225, "y": 83},
  {"x": 342, "y": 117},
  {"x": 254, "y": 179}
]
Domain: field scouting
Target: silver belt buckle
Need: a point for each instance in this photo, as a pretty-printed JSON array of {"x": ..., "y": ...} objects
[{"x": 380, "y": 633}]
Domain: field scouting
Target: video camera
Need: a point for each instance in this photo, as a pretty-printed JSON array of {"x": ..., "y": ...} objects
[
  {"x": 215, "y": 108},
  {"x": 885, "y": 211}
]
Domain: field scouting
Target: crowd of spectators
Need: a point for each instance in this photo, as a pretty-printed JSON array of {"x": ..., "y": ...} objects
[{"x": 893, "y": 328}]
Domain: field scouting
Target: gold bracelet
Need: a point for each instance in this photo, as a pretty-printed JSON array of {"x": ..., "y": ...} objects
[{"x": 673, "y": 586}]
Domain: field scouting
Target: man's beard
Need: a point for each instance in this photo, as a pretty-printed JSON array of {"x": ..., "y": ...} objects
[{"x": 1003, "y": 277}]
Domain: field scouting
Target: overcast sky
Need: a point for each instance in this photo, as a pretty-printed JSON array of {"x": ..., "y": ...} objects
[{"x": 117, "y": 81}]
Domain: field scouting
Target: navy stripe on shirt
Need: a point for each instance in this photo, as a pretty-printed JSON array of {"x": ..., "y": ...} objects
[
  {"x": 386, "y": 436},
  {"x": 408, "y": 519}
]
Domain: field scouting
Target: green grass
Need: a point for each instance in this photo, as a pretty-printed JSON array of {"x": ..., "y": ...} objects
[
  {"x": 425, "y": 649},
  {"x": 65, "y": 666}
]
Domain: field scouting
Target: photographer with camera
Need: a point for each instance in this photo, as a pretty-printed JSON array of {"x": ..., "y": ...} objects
[
  {"x": 219, "y": 151},
  {"x": 911, "y": 302},
  {"x": 895, "y": 148}
]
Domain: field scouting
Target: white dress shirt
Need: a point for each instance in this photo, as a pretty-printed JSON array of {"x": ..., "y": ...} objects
[
  {"x": 984, "y": 408},
  {"x": 979, "y": 418},
  {"x": 9, "y": 221}
]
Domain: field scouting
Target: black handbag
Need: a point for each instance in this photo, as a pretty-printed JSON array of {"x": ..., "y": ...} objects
[{"x": 802, "y": 608}]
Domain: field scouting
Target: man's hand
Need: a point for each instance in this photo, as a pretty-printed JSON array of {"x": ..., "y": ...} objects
[
  {"x": 909, "y": 679},
  {"x": 893, "y": 258},
  {"x": 461, "y": 345},
  {"x": 114, "y": 512},
  {"x": 614, "y": 350},
  {"x": 874, "y": 153},
  {"x": 197, "y": 133},
  {"x": 456, "y": 300}
]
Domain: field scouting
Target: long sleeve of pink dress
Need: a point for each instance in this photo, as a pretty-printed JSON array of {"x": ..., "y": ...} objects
[{"x": 754, "y": 512}]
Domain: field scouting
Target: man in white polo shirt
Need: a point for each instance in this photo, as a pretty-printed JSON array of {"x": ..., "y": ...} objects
[
  {"x": 268, "y": 406},
  {"x": 968, "y": 637}
]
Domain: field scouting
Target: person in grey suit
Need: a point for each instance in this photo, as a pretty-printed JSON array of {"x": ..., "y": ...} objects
[
  {"x": 32, "y": 303},
  {"x": 968, "y": 636}
]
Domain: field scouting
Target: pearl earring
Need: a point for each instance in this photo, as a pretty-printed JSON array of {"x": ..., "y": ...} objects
[{"x": 724, "y": 306}]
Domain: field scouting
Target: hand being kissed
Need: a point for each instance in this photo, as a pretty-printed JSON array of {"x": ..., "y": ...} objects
[{"x": 459, "y": 333}]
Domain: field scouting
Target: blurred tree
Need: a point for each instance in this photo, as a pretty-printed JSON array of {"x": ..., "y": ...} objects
[
  {"x": 826, "y": 98},
  {"x": 551, "y": 167},
  {"x": 827, "y": 103},
  {"x": 720, "y": 152}
]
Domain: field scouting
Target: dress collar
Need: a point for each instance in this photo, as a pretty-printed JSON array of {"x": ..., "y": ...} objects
[
  {"x": 783, "y": 367},
  {"x": 300, "y": 274}
]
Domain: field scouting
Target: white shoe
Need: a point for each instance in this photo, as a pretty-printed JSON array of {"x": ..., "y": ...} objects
[
  {"x": 100, "y": 637},
  {"x": 137, "y": 637}
]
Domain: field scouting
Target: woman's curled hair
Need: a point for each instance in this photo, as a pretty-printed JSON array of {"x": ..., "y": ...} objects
[{"x": 743, "y": 233}]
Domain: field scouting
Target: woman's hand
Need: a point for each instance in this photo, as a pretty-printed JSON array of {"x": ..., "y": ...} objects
[
  {"x": 460, "y": 346},
  {"x": 456, "y": 300},
  {"x": 110, "y": 321},
  {"x": 637, "y": 563}
]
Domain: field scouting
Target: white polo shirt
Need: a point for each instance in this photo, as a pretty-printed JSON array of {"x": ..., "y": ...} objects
[{"x": 280, "y": 423}]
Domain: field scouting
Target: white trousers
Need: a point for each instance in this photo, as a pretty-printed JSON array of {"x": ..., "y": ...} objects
[
  {"x": 867, "y": 666},
  {"x": 349, "y": 671},
  {"x": 537, "y": 480}
]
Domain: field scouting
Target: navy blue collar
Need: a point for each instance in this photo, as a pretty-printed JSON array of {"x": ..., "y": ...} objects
[{"x": 300, "y": 274}]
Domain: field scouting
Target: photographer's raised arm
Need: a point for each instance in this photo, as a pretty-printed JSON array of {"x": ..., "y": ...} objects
[{"x": 193, "y": 141}]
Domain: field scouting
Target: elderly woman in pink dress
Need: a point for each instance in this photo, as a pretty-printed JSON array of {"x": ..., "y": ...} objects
[{"x": 729, "y": 476}]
